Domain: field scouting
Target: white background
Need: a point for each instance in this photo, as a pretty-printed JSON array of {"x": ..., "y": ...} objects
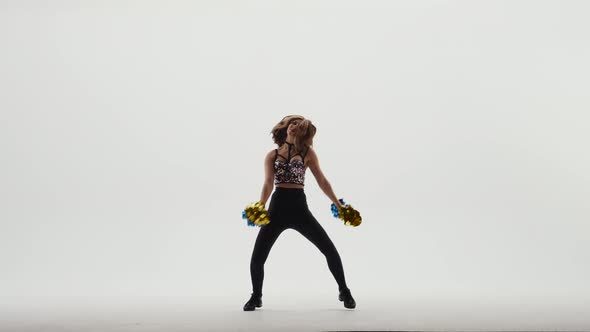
[{"x": 133, "y": 133}]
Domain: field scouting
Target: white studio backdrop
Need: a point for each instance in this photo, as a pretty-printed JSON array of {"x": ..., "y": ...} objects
[{"x": 133, "y": 134}]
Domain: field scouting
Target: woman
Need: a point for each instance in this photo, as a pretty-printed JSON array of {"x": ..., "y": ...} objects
[{"x": 288, "y": 206}]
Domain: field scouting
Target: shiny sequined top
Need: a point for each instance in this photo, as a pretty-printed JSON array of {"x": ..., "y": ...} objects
[{"x": 287, "y": 170}]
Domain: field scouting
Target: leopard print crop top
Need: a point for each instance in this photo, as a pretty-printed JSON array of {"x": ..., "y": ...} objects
[{"x": 287, "y": 170}]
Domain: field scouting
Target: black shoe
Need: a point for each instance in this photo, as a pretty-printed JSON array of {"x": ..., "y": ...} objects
[
  {"x": 346, "y": 297},
  {"x": 253, "y": 303}
]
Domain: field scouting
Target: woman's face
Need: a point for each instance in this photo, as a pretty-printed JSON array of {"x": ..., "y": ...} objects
[{"x": 292, "y": 129}]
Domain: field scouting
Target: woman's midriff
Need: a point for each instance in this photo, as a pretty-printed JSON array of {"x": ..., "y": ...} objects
[{"x": 288, "y": 185}]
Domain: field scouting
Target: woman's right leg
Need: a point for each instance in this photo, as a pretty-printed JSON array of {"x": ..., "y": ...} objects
[{"x": 267, "y": 236}]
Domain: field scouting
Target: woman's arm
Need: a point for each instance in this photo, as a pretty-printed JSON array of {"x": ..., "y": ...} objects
[
  {"x": 268, "y": 177},
  {"x": 314, "y": 166}
]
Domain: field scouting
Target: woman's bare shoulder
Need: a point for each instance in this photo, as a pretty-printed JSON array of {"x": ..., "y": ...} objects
[
  {"x": 270, "y": 154},
  {"x": 310, "y": 154}
]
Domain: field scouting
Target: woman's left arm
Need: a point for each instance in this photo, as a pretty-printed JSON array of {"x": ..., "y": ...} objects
[{"x": 314, "y": 166}]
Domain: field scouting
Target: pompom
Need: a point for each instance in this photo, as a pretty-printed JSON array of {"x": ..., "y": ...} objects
[
  {"x": 256, "y": 215},
  {"x": 347, "y": 213}
]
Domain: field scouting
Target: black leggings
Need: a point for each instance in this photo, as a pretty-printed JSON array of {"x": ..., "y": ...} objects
[{"x": 288, "y": 209}]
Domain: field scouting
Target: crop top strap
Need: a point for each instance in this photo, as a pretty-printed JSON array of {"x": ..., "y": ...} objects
[{"x": 289, "y": 154}]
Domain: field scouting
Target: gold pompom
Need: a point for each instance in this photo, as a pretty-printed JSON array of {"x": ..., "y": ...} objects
[
  {"x": 256, "y": 214},
  {"x": 350, "y": 216}
]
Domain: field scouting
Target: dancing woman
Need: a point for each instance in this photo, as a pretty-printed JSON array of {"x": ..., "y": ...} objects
[{"x": 288, "y": 208}]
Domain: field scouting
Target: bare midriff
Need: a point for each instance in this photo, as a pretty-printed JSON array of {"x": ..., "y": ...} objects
[{"x": 288, "y": 185}]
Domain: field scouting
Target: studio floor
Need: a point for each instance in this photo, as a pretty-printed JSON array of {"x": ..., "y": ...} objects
[{"x": 285, "y": 313}]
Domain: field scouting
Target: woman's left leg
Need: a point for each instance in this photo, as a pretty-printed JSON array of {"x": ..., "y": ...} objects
[{"x": 314, "y": 232}]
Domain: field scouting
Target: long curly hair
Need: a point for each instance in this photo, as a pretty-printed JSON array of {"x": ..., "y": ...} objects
[{"x": 304, "y": 133}]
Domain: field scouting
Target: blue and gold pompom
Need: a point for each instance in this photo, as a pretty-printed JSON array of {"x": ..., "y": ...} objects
[
  {"x": 347, "y": 213},
  {"x": 256, "y": 215}
]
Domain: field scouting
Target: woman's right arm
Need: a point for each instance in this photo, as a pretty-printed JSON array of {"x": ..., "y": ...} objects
[{"x": 268, "y": 177}]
